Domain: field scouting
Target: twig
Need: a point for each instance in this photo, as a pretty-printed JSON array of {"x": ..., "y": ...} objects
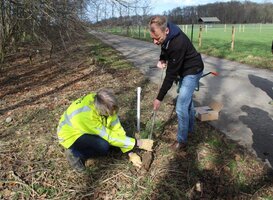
[
  {"x": 127, "y": 176},
  {"x": 246, "y": 194},
  {"x": 188, "y": 175},
  {"x": 141, "y": 187},
  {"x": 21, "y": 182},
  {"x": 170, "y": 170},
  {"x": 63, "y": 41},
  {"x": 259, "y": 190},
  {"x": 7, "y": 151},
  {"x": 88, "y": 194},
  {"x": 34, "y": 171},
  {"x": 110, "y": 178}
]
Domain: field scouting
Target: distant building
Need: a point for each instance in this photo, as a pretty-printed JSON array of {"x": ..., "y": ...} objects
[{"x": 208, "y": 20}]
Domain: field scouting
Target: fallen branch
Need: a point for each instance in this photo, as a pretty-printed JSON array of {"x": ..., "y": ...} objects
[
  {"x": 19, "y": 183},
  {"x": 87, "y": 195},
  {"x": 258, "y": 190},
  {"x": 22, "y": 182},
  {"x": 106, "y": 180}
]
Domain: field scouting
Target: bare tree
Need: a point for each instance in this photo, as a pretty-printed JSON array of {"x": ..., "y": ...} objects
[
  {"x": 121, "y": 9},
  {"x": 56, "y": 22},
  {"x": 41, "y": 21},
  {"x": 227, "y": 12}
]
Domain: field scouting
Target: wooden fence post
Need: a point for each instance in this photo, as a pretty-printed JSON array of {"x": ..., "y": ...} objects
[
  {"x": 186, "y": 29},
  {"x": 225, "y": 29},
  {"x": 232, "y": 38},
  {"x": 200, "y": 37}
]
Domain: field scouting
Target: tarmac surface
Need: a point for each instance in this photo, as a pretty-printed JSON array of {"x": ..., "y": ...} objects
[{"x": 244, "y": 91}]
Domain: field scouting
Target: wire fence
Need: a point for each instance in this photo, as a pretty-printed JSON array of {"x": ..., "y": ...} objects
[{"x": 246, "y": 43}]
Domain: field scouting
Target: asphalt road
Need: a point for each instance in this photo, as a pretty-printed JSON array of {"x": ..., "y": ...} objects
[{"x": 245, "y": 92}]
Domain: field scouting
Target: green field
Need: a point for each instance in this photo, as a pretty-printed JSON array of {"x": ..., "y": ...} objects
[{"x": 252, "y": 41}]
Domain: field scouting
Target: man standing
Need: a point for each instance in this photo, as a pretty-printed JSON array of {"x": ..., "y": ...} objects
[
  {"x": 183, "y": 61},
  {"x": 90, "y": 125}
]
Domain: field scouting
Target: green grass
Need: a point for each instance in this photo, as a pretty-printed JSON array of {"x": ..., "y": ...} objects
[
  {"x": 152, "y": 129},
  {"x": 267, "y": 198},
  {"x": 251, "y": 46},
  {"x": 252, "y": 41}
]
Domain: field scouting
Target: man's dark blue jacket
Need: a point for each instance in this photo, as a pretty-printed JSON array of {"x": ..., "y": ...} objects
[{"x": 182, "y": 57}]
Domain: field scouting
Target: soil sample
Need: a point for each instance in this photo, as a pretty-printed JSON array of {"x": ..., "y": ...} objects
[{"x": 147, "y": 159}]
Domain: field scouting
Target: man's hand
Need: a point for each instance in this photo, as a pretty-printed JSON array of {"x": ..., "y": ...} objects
[
  {"x": 145, "y": 144},
  {"x": 161, "y": 64},
  {"x": 156, "y": 104},
  {"x": 135, "y": 159}
]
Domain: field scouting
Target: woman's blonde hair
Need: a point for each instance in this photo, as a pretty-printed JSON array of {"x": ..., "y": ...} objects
[
  {"x": 105, "y": 102},
  {"x": 160, "y": 21}
]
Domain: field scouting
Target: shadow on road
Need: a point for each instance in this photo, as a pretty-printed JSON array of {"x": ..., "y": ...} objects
[
  {"x": 262, "y": 133},
  {"x": 262, "y": 83}
]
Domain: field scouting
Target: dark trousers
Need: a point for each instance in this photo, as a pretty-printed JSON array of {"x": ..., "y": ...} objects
[{"x": 90, "y": 146}]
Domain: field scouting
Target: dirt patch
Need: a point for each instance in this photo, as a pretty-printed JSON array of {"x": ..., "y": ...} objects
[{"x": 147, "y": 159}]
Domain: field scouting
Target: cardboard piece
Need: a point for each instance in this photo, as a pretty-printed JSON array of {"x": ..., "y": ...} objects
[{"x": 210, "y": 112}]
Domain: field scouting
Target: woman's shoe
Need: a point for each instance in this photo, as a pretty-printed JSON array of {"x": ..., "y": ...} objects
[{"x": 75, "y": 162}]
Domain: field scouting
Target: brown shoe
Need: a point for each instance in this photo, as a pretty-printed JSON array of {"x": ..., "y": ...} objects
[{"x": 176, "y": 146}]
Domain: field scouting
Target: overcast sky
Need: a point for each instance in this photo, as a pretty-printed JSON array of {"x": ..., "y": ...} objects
[{"x": 159, "y": 6}]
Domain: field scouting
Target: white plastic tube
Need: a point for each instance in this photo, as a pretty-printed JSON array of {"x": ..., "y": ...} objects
[{"x": 138, "y": 108}]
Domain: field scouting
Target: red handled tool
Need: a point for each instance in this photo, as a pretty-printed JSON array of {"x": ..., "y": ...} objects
[{"x": 213, "y": 73}]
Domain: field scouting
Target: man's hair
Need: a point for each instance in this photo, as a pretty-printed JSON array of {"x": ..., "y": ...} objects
[
  {"x": 106, "y": 102},
  {"x": 160, "y": 21}
]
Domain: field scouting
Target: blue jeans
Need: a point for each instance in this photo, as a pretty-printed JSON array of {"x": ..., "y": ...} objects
[
  {"x": 90, "y": 146},
  {"x": 185, "y": 107}
]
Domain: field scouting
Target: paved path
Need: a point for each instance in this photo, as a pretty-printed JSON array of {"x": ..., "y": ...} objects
[{"x": 247, "y": 116}]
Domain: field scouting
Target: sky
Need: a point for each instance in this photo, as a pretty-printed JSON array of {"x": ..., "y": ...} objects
[{"x": 159, "y": 6}]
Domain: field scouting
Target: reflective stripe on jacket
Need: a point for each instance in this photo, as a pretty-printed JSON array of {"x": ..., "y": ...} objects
[{"x": 81, "y": 117}]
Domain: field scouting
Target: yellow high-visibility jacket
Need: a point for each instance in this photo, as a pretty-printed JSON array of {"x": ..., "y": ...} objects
[{"x": 81, "y": 117}]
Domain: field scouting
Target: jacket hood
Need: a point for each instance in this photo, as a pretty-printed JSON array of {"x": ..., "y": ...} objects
[{"x": 174, "y": 30}]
